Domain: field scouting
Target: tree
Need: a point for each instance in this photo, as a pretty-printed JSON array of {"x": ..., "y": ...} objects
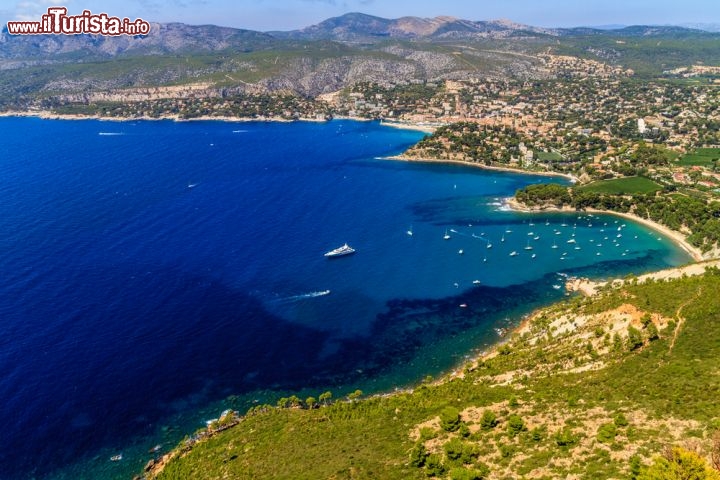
[
  {"x": 325, "y": 397},
  {"x": 515, "y": 425},
  {"x": 488, "y": 420},
  {"x": 434, "y": 465},
  {"x": 634, "y": 340},
  {"x": 652, "y": 332},
  {"x": 355, "y": 395},
  {"x": 678, "y": 464},
  {"x": 418, "y": 454},
  {"x": 450, "y": 419},
  {"x": 453, "y": 449},
  {"x": 310, "y": 402}
]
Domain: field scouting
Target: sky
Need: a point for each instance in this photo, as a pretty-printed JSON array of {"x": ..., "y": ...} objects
[{"x": 266, "y": 15}]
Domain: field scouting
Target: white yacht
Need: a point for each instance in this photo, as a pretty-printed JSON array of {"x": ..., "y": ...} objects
[{"x": 340, "y": 251}]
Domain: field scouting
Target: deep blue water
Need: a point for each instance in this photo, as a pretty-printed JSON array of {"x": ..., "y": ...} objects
[{"x": 152, "y": 273}]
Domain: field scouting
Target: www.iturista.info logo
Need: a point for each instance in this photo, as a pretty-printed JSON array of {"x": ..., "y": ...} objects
[{"x": 57, "y": 21}]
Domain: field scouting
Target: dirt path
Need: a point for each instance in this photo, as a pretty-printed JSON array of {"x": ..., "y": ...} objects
[{"x": 680, "y": 319}]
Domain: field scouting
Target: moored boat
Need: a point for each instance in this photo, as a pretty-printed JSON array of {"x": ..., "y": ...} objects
[{"x": 340, "y": 251}]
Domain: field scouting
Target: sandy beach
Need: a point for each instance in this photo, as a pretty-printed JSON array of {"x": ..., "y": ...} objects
[
  {"x": 409, "y": 126},
  {"x": 677, "y": 237}
]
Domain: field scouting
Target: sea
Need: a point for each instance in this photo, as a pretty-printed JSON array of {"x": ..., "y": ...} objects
[{"x": 154, "y": 273}]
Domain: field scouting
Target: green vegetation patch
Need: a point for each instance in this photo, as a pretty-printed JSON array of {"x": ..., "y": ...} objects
[
  {"x": 622, "y": 186},
  {"x": 703, "y": 157},
  {"x": 558, "y": 419}
]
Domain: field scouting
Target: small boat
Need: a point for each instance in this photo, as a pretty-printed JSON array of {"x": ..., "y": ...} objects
[
  {"x": 116, "y": 458},
  {"x": 460, "y": 252},
  {"x": 489, "y": 245},
  {"x": 446, "y": 236},
  {"x": 572, "y": 240},
  {"x": 557, "y": 287},
  {"x": 155, "y": 449},
  {"x": 514, "y": 253},
  {"x": 533, "y": 255},
  {"x": 577, "y": 247},
  {"x": 463, "y": 305},
  {"x": 536, "y": 237},
  {"x": 476, "y": 282},
  {"x": 558, "y": 233},
  {"x": 340, "y": 251},
  {"x": 410, "y": 232}
]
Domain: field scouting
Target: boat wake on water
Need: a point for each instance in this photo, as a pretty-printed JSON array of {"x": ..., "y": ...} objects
[{"x": 303, "y": 296}]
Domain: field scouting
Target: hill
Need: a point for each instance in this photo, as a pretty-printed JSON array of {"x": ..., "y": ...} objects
[
  {"x": 589, "y": 388},
  {"x": 37, "y": 71}
]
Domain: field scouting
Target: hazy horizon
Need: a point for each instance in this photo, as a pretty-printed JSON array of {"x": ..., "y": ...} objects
[{"x": 280, "y": 15}]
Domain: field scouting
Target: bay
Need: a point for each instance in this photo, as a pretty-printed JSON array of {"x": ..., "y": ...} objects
[{"x": 153, "y": 273}]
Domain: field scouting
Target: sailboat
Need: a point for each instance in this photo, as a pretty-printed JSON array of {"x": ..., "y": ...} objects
[
  {"x": 446, "y": 236},
  {"x": 502, "y": 239},
  {"x": 554, "y": 245},
  {"x": 528, "y": 247}
]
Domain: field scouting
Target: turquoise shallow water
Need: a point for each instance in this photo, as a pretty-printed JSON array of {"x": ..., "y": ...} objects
[{"x": 154, "y": 273}]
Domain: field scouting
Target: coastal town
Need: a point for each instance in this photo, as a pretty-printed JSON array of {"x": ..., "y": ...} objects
[
  {"x": 633, "y": 144},
  {"x": 584, "y": 118}
]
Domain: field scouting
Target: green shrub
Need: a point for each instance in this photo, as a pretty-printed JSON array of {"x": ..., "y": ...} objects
[
  {"x": 454, "y": 449},
  {"x": 418, "y": 454},
  {"x": 606, "y": 433},
  {"x": 427, "y": 433},
  {"x": 679, "y": 464},
  {"x": 565, "y": 438},
  {"x": 488, "y": 420},
  {"x": 634, "y": 340},
  {"x": 620, "y": 420},
  {"x": 461, "y": 473},
  {"x": 470, "y": 453},
  {"x": 515, "y": 425},
  {"x": 434, "y": 466},
  {"x": 450, "y": 419},
  {"x": 537, "y": 434}
]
